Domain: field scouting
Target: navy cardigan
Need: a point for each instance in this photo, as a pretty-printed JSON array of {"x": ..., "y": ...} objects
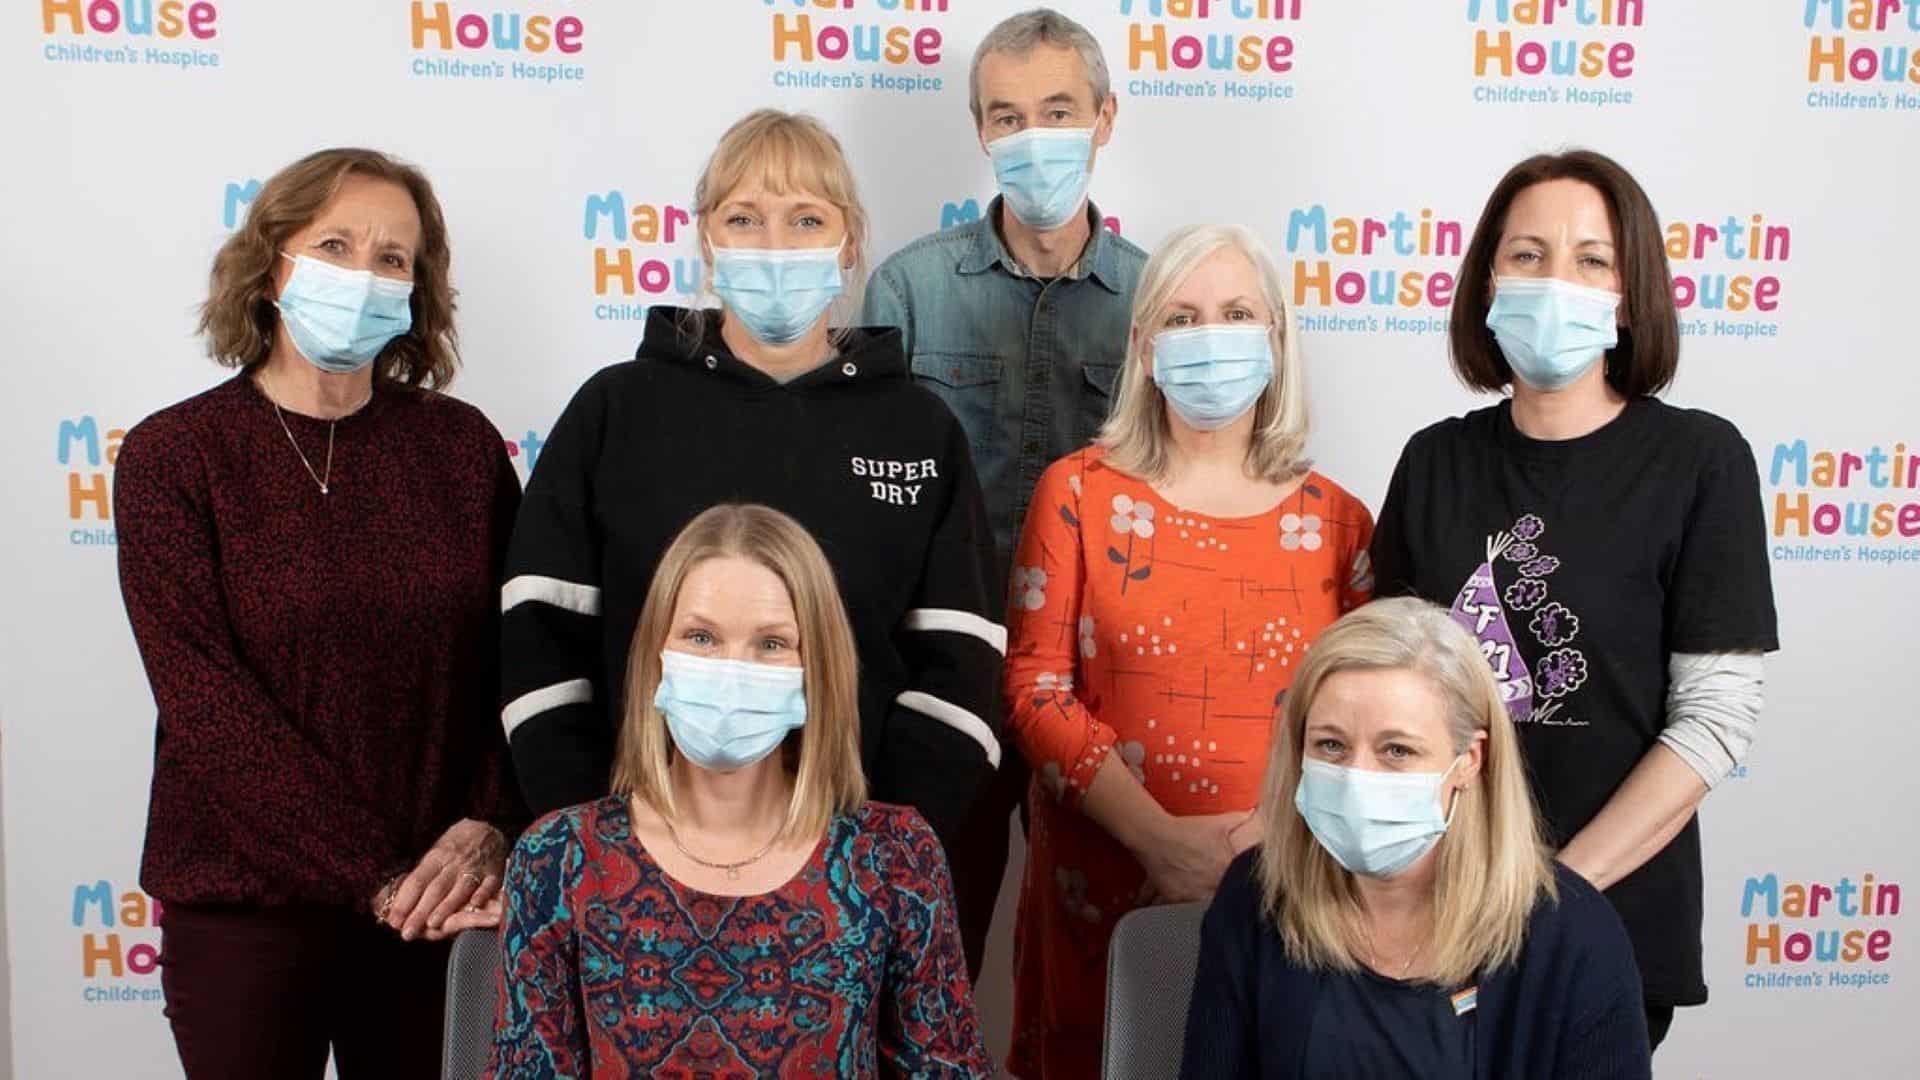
[{"x": 1569, "y": 1008}]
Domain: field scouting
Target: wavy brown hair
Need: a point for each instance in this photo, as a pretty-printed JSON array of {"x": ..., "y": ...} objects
[{"x": 238, "y": 318}]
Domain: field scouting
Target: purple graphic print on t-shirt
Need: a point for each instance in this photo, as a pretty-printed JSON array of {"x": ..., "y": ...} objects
[{"x": 1483, "y": 608}]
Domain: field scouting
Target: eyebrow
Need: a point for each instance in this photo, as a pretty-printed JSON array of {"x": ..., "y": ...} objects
[
  {"x": 1591, "y": 241},
  {"x": 1403, "y": 736},
  {"x": 358, "y": 231},
  {"x": 1063, "y": 97},
  {"x": 1188, "y": 305},
  {"x": 778, "y": 624},
  {"x": 750, "y": 204}
]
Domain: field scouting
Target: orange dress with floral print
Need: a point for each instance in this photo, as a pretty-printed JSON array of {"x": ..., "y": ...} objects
[{"x": 1167, "y": 636}]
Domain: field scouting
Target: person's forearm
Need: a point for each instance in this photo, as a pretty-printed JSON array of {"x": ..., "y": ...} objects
[
  {"x": 1643, "y": 816},
  {"x": 1119, "y": 804}
]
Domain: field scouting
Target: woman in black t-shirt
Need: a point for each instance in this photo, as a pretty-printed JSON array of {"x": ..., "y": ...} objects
[{"x": 1608, "y": 549}]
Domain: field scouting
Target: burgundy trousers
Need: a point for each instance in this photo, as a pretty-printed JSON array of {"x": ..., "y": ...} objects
[{"x": 256, "y": 993}]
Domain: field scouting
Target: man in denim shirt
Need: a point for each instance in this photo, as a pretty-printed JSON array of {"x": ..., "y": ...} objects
[{"x": 1018, "y": 321}]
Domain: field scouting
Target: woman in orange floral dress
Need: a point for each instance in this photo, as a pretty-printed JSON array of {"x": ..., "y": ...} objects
[{"x": 1168, "y": 582}]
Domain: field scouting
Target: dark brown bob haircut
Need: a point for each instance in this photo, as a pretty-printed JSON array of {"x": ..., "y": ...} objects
[
  {"x": 238, "y": 318},
  {"x": 1649, "y": 350}
]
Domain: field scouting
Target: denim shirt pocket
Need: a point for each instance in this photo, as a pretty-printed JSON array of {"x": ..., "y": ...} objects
[
  {"x": 1096, "y": 398},
  {"x": 970, "y": 385}
]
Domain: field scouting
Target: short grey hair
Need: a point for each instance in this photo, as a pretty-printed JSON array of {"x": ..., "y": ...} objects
[{"x": 1019, "y": 34}]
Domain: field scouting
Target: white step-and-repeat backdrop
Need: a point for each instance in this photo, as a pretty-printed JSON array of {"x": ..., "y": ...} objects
[{"x": 1780, "y": 140}]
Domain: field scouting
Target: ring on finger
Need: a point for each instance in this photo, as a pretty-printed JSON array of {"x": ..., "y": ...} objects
[{"x": 468, "y": 875}]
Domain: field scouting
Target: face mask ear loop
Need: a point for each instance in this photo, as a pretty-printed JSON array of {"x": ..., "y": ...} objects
[
  {"x": 1455, "y": 804},
  {"x": 275, "y": 301}
]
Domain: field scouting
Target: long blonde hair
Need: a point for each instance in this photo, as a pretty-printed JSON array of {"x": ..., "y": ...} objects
[
  {"x": 1493, "y": 864},
  {"x": 824, "y": 754},
  {"x": 788, "y": 152},
  {"x": 1137, "y": 436}
]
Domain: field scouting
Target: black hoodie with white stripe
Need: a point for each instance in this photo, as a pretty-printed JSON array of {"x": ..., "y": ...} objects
[{"x": 874, "y": 466}]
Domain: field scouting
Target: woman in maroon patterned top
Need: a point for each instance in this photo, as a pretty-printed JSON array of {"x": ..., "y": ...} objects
[
  {"x": 310, "y": 554},
  {"x": 736, "y": 908}
]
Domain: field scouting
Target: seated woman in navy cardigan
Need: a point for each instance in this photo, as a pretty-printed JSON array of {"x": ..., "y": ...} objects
[{"x": 1401, "y": 916}]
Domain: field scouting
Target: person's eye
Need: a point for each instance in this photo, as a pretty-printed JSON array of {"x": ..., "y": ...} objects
[
  {"x": 398, "y": 262},
  {"x": 1594, "y": 262},
  {"x": 1526, "y": 256},
  {"x": 700, "y": 638},
  {"x": 811, "y": 221},
  {"x": 1329, "y": 747},
  {"x": 772, "y": 644},
  {"x": 1239, "y": 315},
  {"x": 1399, "y": 752},
  {"x": 1061, "y": 114},
  {"x": 1179, "y": 319},
  {"x": 333, "y": 244},
  {"x": 740, "y": 221}
]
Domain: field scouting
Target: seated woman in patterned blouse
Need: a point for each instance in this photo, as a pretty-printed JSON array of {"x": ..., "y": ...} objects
[{"x": 736, "y": 908}]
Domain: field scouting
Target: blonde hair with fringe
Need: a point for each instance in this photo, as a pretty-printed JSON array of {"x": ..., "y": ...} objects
[
  {"x": 787, "y": 152},
  {"x": 1137, "y": 435},
  {"x": 1493, "y": 865},
  {"x": 824, "y": 754}
]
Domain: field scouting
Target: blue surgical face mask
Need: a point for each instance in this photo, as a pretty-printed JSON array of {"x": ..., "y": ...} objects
[
  {"x": 340, "y": 319},
  {"x": 1551, "y": 331},
  {"x": 1211, "y": 375},
  {"x": 728, "y": 714},
  {"x": 1375, "y": 824},
  {"x": 777, "y": 293},
  {"x": 1043, "y": 173}
]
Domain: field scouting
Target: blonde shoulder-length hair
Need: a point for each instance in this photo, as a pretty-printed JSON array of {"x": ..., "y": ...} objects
[
  {"x": 786, "y": 153},
  {"x": 1137, "y": 437},
  {"x": 824, "y": 754},
  {"x": 1493, "y": 864}
]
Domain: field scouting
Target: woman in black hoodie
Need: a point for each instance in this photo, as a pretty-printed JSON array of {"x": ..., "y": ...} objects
[{"x": 758, "y": 401}]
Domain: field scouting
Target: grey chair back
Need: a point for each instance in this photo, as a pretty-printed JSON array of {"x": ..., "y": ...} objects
[
  {"x": 1149, "y": 982},
  {"x": 473, "y": 997}
]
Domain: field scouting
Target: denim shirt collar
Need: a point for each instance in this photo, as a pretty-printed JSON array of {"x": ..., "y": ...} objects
[{"x": 988, "y": 251}]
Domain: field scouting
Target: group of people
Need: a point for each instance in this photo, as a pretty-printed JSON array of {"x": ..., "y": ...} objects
[{"x": 723, "y": 721}]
